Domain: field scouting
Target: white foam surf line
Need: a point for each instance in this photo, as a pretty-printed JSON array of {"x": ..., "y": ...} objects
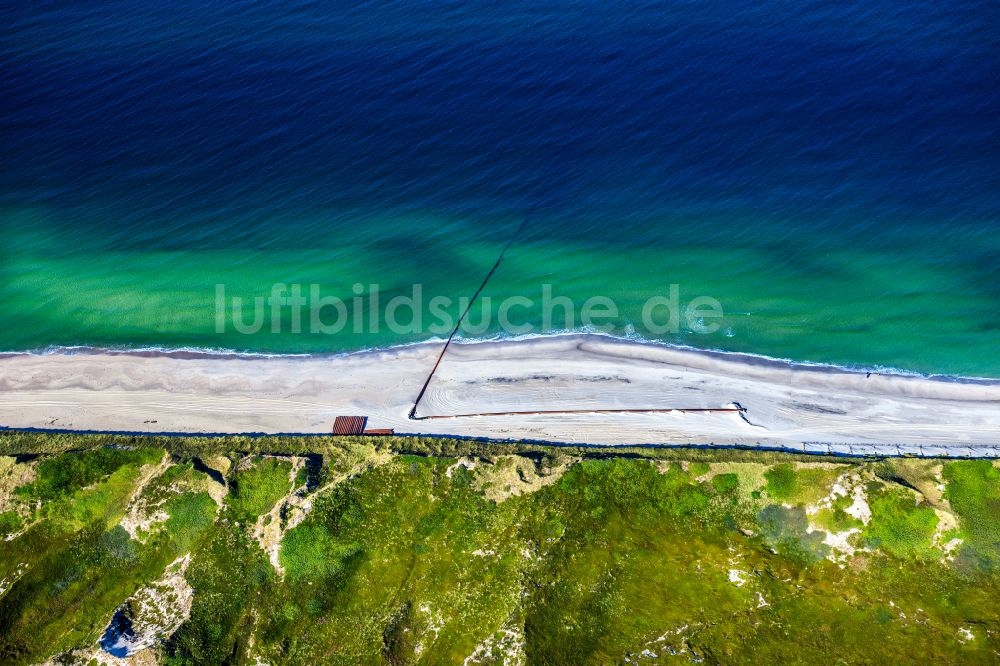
[
  {"x": 209, "y": 352},
  {"x": 744, "y": 357},
  {"x": 748, "y": 358}
]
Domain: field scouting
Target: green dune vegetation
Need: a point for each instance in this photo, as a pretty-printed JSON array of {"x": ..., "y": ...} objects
[{"x": 414, "y": 550}]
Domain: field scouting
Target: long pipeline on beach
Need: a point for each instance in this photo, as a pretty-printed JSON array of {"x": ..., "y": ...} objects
[
  {"x": 423, "y": 389},
  {"x": 653, "y": 410},
  {"x": 454, "y": 332}
]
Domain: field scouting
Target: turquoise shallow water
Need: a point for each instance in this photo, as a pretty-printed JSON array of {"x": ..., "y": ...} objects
[{"x": 828, "y": 178}]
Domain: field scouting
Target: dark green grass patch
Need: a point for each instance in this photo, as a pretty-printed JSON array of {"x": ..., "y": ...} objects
[
  {"x": 901, "y": 526},
  {"x": 63, "y": 474},
  {"x": 256, "y": 490},
  {"x": 974, "y": 493}
]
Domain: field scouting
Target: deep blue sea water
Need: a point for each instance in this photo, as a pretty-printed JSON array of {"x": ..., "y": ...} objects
[{"x": 827, "y": 172}]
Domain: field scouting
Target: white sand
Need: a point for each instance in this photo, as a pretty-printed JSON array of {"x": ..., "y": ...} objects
[{"x": 789, "y": 406}]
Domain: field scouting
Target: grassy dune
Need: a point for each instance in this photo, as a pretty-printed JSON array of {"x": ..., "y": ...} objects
[{"x": 434, "y": 551}]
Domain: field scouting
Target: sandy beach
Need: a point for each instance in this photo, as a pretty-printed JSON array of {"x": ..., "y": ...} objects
[{"x": 791, "y": 406}]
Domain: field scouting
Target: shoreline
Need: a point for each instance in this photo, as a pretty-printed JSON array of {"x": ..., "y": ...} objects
[
  {"x": 748, "y": 358},
  {"x": 788, "y": 406}
]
